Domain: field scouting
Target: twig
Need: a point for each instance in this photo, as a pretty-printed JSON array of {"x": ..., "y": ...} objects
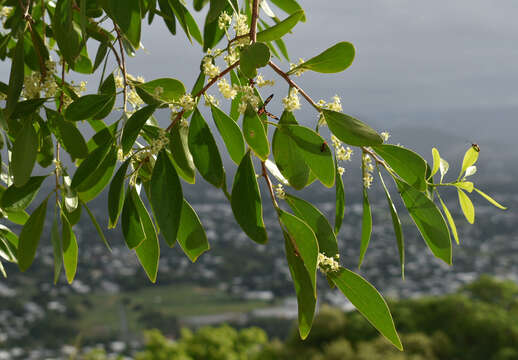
[
  {"x": 293, "y": 84},
  {"x": 60, "y": 110},
  {"x": 122, "y": 65},
  {"x": 201, "y": 92},
  {"x": 270, "y": 186},
  {"x": 253, "y": 23},
  {"x": 30, "y": 21}
]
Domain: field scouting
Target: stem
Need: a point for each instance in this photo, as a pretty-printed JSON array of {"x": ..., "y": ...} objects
[
  {"x": 253, "y": 23},
  {"x": 122, "y": 65},
  {"x": 293, "y": 84},
  {"x": 201, "y": 92},
  {"x": 270, "y": 186},
  {"x": 60, "y": 110}
]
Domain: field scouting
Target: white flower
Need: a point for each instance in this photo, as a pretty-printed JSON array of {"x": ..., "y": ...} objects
[
  {"x": 231, "y": 57},
  {"x": 368, "y": 168},
  {"x": 224, "y": 21},
  {"x": 470, "y": 171},
  {"x": 241, "y": 25},
  {"x": 226, "y": 89},
  {"x": 344, "y": 154},
  {"x": 292, "y": 102},
  {"x": 328, "y": 264},
  {"x": 187, "y": 102},
  {"x": 209, "y": 68},
  {"x": 341, "y": 170},
  {"x": 279, "y": 191},
  {"x": 134, "y": 99},
  {"x": 211, "y": 100},
  {"x": 259, "y": 80},
  {"x": 385, "y": 135},
  {"x": 299, "y": 71},
  {"x": 248, "y": 97},
  {"x": 6, "y": 11}
]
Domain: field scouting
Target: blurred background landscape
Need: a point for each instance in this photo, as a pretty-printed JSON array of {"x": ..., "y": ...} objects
[{"x": 434, "y": 74}]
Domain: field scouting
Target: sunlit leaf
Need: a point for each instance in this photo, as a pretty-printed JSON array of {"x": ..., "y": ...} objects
[
  {"x": 231, "y": 134},
  {"x": 350, "y": 130},
  {"x": 490, "y": 199},
  {"x": 280, "y": 29},
  {"x": 133, "y": 126},
  {"x": 191, "y": 235},
  {"x": 70, "y": 249},
  {"x": 467, "y": 206},
  {"x": 366, "y": 226},
  {"x": 18, "y": 198},
  {"x": 453, "y": 227},
  {"x": 335, "y": 59},
  {"x": 253, "y": 57}
]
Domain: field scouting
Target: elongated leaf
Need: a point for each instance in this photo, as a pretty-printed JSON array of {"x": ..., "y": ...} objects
[
  {"x": 366, "y": 226},
  {"x": 315, "y": 152},
  {"x": 131, "y": 224},
  {"x": 467, "y": 206},
  {"x": 186, "y": 21},
  {"x": 335, "y": 59},
  {"x": 18, "y": 198},
  {"x": 66, "y": 33},
  {"x": 8, "y": 244},
  {"x": 304, "y": 241},
  {"x": 350, "y": 130},
  {"x": 204, "y": 151},
  {"x": 166, "y": 197},
  {"x": 340, "y": 200},
  {"x": 306, "y": 296},
  {"x": 133, "y": 126},
  {"x": 16, "y": 78},
  {"x": 231, "y": 134},
  {"x": 96, "y": 183},
  {"x": 326, "y": 238},
  {"x": 70, "y": 249},
  {"x": 57, "y": 247},
  {"x": 368, "y": 301},
  {"x": 191, "y": 234},
  {"x": 254, "y": 56},
  {"x": 30, "y": 236},
  {"x": 398, "y": 231},
  {"x": 246, "y": 201},
  {"x": 470, "y": 158},
  {"x": 490, "y": 199},
  {"x": 148, "y": 252},
  {"x": 429, "y": 221},
  {"x": 87, "y": 106},
  {"x": 436, "y": 161},
  {"x": 27, "y": 107},
  {"x": 90, "y": 165},
  {"x": 25, "y": 149},
  {"x": 289, "y": 6},
  {"x": 453, "y": 227},
  {"x": 71, "y": 139},
  {"x": 288, "y": 158},
  {"x": 97, "y": 227},
  {"x": 180, "y": 153},
  {"x": 255, "y": 134},
  {"x": 169, "y": 18},
  {"x": 407, "y": 164},
  {"x": 280, "y": 29},
  {"x": 116, "y": 194},
  {"x": 107, "y": 88},
  {"x": 172, "y": 89},
  {"x": 127, "y": 16},
  {"x": 465, "y": 185}
]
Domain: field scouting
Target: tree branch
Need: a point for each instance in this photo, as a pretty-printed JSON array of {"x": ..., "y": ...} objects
[
  {"x": 122, "y": 65},
  {"x": 253, "y": 23}
]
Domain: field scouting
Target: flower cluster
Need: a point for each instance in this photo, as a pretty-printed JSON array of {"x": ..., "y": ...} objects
[
  {"x": 211, "y": 100},
  {"x": 328, "y": 264},
  {"x": 247, "y": 97},
  {"x": 6, "y": 11},
  {"x": 299, "y": 71},
  {"x": 232, "y": 56},
  {"x": 241, "y": 25},
  {"x": 224, "y": 21},
  {"x": 228, "y": 91},
  {"x": 335, "y": 105},
  {"x": 159, "y": 143},
  {"x": 259, "y": 81},
  {"x": 279, "y": 191},
  {"x": 132, "y": 96},
  {"x": 342, "y": 153},
  {"x": 292, "y": 101},
  {"x": 368, "y": 168},
  {"x": 385, "y": 135},
  {"x": 209, "y": 68}
]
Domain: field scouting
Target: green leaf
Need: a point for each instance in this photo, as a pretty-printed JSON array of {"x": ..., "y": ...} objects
[
  {"x": 18, "y": 198},
  {"x": 282, "y": 48},
  {"x": 100, "y": 56},
  {"x": 169, "y": 19},
  {"x": 306, "y": 296},
  {"x": 246, "y": 201},
  {"x": 366, "y": 226},
  {"x": 280, "y": 29},
  {"x": 70, "y": 137},
  {"x": 407, "y": 164},
  {"x": 131, "y": 224},
  {"x": 186, "y": 21},
  {"x": 133, "y": 126},
  {"x": 191, "y": 235},
  {"x": 314, "y": 150},
  {"x": 87, "y": 106},
  {"x": 428, "y": 219},
  {"x": 368, "y": 301},
  {"x": 127, "y": 16},
  {"x": 204, "y": 151},
  {"x": 231, "y": 134},
  {"x": 90, "y": 165},
  {"x": 8, "y": 244},
  {"x": 254, "y": 56},
  {"x": 180, "y": 154},
  {"x": 436, "y": 161},
  {"x": 304, "y": 242},
  {"x": 326, "y": 238},
  {"x": 66, "y": 33},
  {"x": 27, "y": 107},
  {"x": 148, "y": 252},
  {"x": 350, "y": 130},
  {"x": 16, "y": 78},
  {"x": 288, "y": 158},
  {"x": 335, "y": 59},
  {"x": 470, "y": 158},
  {"x": 97, "y": 227},
  {"x": 57, "y": 248},
  {"x": 467, "y": 206},
  {"x": 340, "y": 200},
  {"x": 465, "y": 185},
  {"x": 107, "y": 88},
  {"x": 166, "y": 197},
  {"x": 396, "y": 223},
  {"x": 450, "y": 221},
  {"x": 25, "y": 150},
  {"x": 490, "y": 199},
  {"x": 289, "y": 6},
  {"x": 70, "y": 249},
  {"x": 255, "y": 134},
  {"x": 172, "y": 89},
  {"x": 116, "y": 194},
  {"x": 212, "y": 34},
  {"x": 30, "y": 236},
  {"x": 96, "y": 183}
]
